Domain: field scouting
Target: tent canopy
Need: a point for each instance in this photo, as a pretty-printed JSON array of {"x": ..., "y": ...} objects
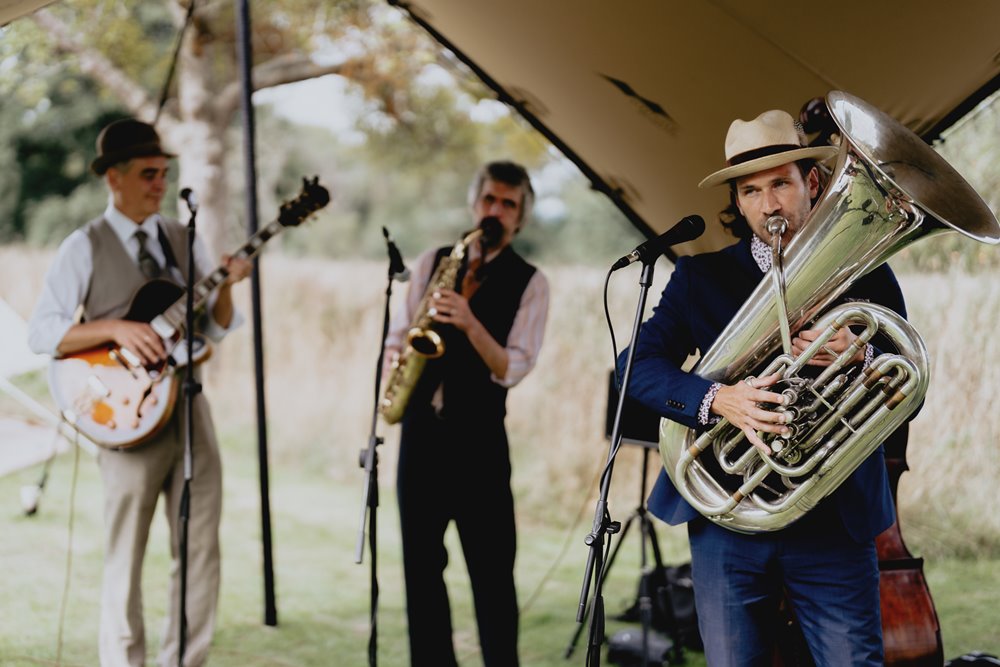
[
  {"x": 11, "y": 9},
  {"x": 640, "y": 94}
]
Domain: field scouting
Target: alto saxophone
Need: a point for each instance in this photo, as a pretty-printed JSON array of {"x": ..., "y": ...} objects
[{"x": 422, "y": 341}]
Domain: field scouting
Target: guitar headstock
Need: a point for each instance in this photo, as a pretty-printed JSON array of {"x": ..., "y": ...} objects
[{"x": 312, "y": 198}]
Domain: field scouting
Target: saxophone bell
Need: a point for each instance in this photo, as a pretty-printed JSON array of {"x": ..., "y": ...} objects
[{"x": 425, "y": 342}]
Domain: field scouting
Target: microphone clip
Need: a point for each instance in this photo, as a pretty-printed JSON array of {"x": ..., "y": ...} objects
[{"x": 397, "y": 269}]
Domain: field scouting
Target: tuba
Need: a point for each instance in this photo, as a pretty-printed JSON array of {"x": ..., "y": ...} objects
[
  {"x": 888, "y": 189},
  {"x": 422, "y": 341}
]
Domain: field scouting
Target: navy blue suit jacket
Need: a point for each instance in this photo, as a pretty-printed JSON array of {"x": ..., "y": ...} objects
[{"x": 703, "y": 295}]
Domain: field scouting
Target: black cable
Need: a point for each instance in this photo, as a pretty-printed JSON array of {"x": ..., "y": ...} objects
[
  {"x": 604, "y": 470},
  {"x": 69, "y": 549},
  {"x": 598, "y": 474},
  {"x": 173, "y": 62},
  {"x": 615, "y": 446},
  {"x": 570, "y": 535},
  {"x": 611, "y": 330}
]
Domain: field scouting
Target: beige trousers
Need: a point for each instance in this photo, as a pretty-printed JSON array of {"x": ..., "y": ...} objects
[{"x": 133, "y": 481}]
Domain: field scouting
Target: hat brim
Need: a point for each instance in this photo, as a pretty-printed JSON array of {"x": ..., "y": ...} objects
[
  {"x": 102, "y": 163},
  {"x": 767, "y": 162}
]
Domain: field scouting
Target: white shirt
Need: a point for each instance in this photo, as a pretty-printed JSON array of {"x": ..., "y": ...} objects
[
  {"x": 68, "y": 278},
  {"x": 524, "y": 340}
]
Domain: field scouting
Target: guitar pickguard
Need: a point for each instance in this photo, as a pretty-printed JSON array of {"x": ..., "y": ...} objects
[{"x": 114, "y": 405}]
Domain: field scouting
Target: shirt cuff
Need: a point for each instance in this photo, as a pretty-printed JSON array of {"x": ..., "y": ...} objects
[
  {"x": 216, "y": 331},
  {"x": 869, "y": 356},
  {"x": 518, "y": 366},
  {"x": 706, "y": 418}
]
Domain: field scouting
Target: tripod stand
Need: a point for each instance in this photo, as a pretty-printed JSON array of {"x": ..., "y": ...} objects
[
  {"x": 649, "y": 578},
  {"x": 643, "y": 607}
]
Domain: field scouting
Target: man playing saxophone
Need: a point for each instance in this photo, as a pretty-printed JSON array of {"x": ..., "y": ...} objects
[
  {"x": 825, "y": 562},
  {"x": 454, "y": 463}
]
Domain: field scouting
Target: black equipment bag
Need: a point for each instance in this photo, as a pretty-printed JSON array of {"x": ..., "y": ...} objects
[
  {"x": 625, "y": 648},
  {"x": 671, "y": 593}
]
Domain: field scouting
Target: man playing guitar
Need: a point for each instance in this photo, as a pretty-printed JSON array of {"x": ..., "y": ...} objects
[{"x": 97, "y": 270}]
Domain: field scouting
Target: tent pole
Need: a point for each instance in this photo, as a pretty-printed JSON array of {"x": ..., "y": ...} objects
[{"x": 249, "y": 153}]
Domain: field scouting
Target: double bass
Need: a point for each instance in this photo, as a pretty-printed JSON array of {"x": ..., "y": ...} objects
[
  {"x": 910, "y": 628},
  {"x": 911, "y": 632}
]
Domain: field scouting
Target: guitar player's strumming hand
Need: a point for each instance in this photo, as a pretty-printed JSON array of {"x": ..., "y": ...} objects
[
  {"x": 140, "y": 338},
  {"x": 137, "y": 337}
]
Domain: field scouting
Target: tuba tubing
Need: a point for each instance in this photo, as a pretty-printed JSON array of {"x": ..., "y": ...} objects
[{"x": 888, "y": 189}]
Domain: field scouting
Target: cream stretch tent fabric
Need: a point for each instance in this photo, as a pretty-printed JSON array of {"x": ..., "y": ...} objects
[
  {"x": 640, "y": 93},
  {"x": 11, "y": 9}
]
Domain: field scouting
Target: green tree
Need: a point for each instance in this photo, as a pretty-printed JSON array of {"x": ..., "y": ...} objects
[{"x": 125, "y": 46}]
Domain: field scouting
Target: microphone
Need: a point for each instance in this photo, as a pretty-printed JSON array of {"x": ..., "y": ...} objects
[
  {"x": 187, "y": 194},
  {"x": 492, "y": 231},
  {"x": 687, "y": 229},
  {"x": 397, "y": 269}
]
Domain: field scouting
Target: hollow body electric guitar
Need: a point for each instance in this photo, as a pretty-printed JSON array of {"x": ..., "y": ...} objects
[{"x": 108, "y": 394}]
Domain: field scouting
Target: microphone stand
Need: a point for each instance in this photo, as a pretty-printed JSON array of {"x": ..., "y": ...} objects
[
  {"x": 191, "y": 389},
  {"x": 602, "y": 518},
  {"x": 368, "y": 460}
]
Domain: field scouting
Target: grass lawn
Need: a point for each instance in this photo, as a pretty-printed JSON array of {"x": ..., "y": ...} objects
[{"x": 323, "y": 596}]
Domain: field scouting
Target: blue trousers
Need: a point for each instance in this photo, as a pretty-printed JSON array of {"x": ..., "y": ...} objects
[{"x": 831, "y": 582}]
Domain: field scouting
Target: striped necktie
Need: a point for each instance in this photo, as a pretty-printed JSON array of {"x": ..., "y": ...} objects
[{"x": 147, "y": 263}]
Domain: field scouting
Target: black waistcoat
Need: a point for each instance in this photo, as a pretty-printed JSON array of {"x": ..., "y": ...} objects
[{"x": 469, "y": 393}]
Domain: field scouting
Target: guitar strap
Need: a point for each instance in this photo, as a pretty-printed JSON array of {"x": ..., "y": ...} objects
[{"x": 168, "y": 251}]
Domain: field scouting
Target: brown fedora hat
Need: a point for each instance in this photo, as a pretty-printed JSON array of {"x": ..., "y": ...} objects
[
  {"x": 769, "y": 140},
  {"x": 123, "y": 140}
]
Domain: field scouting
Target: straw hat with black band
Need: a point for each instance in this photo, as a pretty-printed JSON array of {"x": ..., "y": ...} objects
[
  {"x": 769, "y": 140},
  {"x": 123, "y": 140}
]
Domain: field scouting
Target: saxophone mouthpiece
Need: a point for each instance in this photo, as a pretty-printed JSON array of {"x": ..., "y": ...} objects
[{"x": 492, "y": 231}]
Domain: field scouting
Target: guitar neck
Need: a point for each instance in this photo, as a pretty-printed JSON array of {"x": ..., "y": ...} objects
[{"x": 203, "y": 289}]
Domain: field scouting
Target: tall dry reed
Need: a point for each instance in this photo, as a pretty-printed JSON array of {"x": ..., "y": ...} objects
[{"x": 322, "y": 322}]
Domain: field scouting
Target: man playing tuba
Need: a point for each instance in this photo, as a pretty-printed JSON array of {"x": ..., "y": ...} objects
[
  {"x": 825, "y": 562},
  {"x": 454, "y": 463}
]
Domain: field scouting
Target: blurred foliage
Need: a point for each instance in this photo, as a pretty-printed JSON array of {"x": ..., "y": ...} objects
[
  {"x": 137, "y": 37},
  {"x": 947, "y": 251},
  {"x": 46, "y": 144},
  {"x": 972, "y": 146},
  {"x": 54, "y": 217}
]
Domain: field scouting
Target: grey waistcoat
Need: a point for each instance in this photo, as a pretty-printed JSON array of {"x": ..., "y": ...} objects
[{"x": 115, "y": 276}]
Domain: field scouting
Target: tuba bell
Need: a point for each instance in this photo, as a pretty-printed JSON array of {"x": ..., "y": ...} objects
[{"x": 887, "y": 189}]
